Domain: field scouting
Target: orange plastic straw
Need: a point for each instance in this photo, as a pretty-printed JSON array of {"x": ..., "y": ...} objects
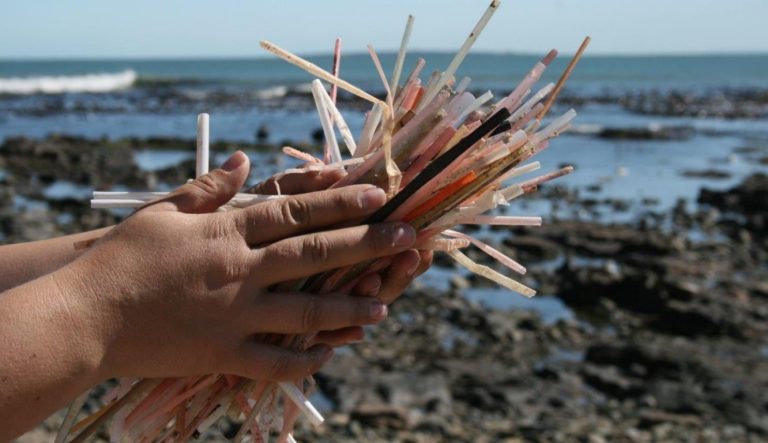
[{"x": 440, "y": 196}]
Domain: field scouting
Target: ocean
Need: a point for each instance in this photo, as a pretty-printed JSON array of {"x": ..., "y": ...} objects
[{"x": 146, "y": 98}]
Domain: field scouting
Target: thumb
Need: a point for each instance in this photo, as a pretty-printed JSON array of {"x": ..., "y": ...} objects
[{"x": 210, "y": 191}]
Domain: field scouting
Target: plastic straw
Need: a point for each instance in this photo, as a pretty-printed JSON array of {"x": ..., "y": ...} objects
[
  {"x": 450, "y": 71},
  {"x": 336, "y": 68},
  {"x": 331, "y": 145},
  {"x": 398, "y": 69},
  {"x": 203, "y": 135},
  {"x": 318, "y": 71},
  {"x": 302, "y": 403}
]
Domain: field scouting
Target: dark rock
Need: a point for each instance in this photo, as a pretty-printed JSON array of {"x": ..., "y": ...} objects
[{"x": 648, "y": 133}]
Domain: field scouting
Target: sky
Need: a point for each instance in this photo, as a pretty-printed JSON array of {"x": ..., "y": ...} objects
[{"x": 233, "y": 28}]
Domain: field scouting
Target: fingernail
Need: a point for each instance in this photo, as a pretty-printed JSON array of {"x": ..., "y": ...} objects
[
  {"x": 372, "y": 198},
  {"x": 403, "y": 235},
  {"x": 378, "y": 311},
  {"x": 234, "y": 161}
]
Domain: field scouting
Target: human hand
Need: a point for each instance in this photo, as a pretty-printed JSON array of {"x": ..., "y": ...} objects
[
  {"x": 387, "y": 285},
  {"x": 167, "y": 293}
]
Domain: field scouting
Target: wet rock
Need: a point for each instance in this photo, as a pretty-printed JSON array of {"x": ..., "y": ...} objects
[
  {"x": 380, "y": 416},
  {"x": 610, "y": 381},
  {"x": 712, "y": 174},
  {"x": 531, "y": 249},
  {"x": 648, "y": 133}
]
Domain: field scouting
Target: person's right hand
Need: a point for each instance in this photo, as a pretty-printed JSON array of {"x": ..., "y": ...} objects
[{"x": 169, "y": 294}]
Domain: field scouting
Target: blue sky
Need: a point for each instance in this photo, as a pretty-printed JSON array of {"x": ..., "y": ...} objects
[{"x": 195, "y": 28}]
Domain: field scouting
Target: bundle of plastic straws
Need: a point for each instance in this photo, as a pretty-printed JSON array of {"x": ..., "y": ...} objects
[{"x": 445, "y": 157}]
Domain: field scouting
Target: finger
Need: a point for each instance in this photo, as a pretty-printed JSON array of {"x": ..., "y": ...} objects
[
  {"x": 309, "y": 254},
  {"x": 296, "y": 313},
  {"x": 340, "y": 337},
  {"x": 277, "y": 219},
  {"x": 405, "y": 267},
  {"x": 298, "y": 182},
  {"x": 267, "y": 362},
  {"x": 368, "y": 286},
  {"x": 208, "y": 192}
]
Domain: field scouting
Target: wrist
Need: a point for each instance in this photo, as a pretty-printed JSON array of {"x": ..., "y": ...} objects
[{"x": 83, "y": 318}]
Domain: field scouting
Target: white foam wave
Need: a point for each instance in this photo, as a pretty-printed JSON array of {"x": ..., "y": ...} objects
[
  {"x": 271, "y": 93},
  {"x": 105, "y": 82}
]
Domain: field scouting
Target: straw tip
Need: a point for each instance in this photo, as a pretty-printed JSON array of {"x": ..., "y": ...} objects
[{"x": 549, "y": 57}]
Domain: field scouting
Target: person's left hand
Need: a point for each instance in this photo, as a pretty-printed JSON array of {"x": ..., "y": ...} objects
[{"x": 387, "y": 285}]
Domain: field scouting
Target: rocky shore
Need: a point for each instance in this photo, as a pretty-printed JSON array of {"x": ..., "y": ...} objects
[
  {"x": 663, "y": 335},
  {"x": 729, "y": 103}
]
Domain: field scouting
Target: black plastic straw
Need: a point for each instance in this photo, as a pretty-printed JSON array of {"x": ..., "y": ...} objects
[{"x": 438, "y": 165}]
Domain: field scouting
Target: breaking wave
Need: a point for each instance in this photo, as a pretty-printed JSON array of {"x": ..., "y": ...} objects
[{"x": 101, "y": 82}]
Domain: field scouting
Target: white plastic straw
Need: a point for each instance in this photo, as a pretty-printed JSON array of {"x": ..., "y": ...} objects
[
  {"x": 459, "y": 57},
  {"x": 366, "y": 137},
  {"x": 330, "y": 136},
  {"x": 338, "y": 119},
  {"x": 203, "y": 136},
  {"x": 131, "y": 200},
  {"x": 500, "y": 220},
  {"x": 302, "y": 402},
  {"x": 555, "y": 128},
  {"x": 531, "y": 102},
  {"x": 401, "y": 55},
  {"x": 463, "y": 84},
  {"x": 480, "y": 101},
  {"x": 318, "y": 71}
]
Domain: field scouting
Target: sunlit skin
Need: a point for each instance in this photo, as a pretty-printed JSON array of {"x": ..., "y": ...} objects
[{"x": 178, "y": 289}]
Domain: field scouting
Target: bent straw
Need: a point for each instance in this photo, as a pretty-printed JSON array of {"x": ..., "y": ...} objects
[
  {"x": 203, "y": 135},
  {"x": 564, "y": 78},
  {"x": 394, "y": 175},
  {"x": 318, "y": 71},
  {"x": 492, "y": 275},
  {"x": 398, "y": 69},
  {"x": 450, "y": 71}
]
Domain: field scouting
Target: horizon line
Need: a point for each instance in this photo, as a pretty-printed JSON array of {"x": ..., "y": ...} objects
[{"x": 178, "y": 57}]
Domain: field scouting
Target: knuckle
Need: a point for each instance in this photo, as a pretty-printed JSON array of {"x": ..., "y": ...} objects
[
  {"x": 206, "y": 183},
  {"x": 311, "y": 314},
  {"x": 233, "y": 269},
  {"x": 319, "y": 248},
  {"x": 218, "y": 228},
  {"x": 296, "y": 212}
]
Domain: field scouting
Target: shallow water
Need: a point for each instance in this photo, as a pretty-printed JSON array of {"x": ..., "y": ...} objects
[{"x": 551, "y": 309}]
